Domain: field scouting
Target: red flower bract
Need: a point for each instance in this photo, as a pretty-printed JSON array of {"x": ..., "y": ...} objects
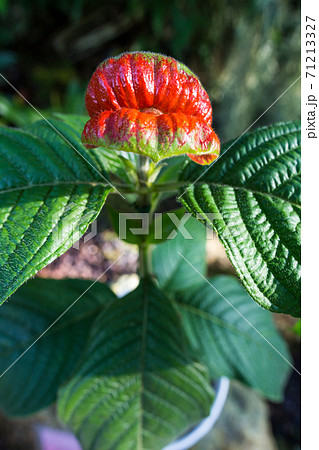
[{"x": 152, "y": 105}]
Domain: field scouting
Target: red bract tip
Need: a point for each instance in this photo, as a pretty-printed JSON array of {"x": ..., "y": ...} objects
[{"x": 152, "y": 105}]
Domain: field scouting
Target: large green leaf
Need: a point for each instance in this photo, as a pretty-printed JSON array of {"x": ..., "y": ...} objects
[
  {"x": 223, "y": 331},
  {"x": 135, "y": 389},
  {"x": 32, "y": 382},
  {"x": 173, "y": 272},
  {"x": 251, "y": 196},
  {"x": 50, "y": 191}
]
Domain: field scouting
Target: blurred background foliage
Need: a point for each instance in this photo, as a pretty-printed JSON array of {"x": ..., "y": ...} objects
[{"x": 246, "y": 52}]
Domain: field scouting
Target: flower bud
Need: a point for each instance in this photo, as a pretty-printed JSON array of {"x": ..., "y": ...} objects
[{"x": 152, "y": 105}]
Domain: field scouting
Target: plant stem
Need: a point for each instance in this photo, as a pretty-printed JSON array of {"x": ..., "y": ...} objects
[
  {"x": 144, "y": 259},
  {"x": 142, "y": 169},
  {"x": 145, "y": 205}
]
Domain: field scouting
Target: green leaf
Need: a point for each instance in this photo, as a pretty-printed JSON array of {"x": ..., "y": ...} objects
[
  {"x": 297, "y": 328},
  {"x": 76, "y": 121},
  {"x": 32, "y": 382},
  {"x": 171, "y": 270},
  {"x": 164, "y": 226},
  {"x": 223, "y": 331},
  {"x": 124, "y": 219},
  {"x": 170, "y": 169},
  {"x": 251, "y": 197},
  {"x": 135, "y": 389},
  {"x": 110, "y": 162},
  {"x": 50, "y": 192}
]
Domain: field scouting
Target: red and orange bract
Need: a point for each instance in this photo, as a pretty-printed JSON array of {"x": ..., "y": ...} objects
[{"x": 152, "y": 105}]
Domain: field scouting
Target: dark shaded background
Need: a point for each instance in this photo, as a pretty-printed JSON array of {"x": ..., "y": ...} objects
[{"x": 246, "y": 53}]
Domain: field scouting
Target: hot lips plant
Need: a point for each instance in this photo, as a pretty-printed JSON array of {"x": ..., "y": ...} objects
[
  {"x": 136, "y": 372},
  {"x": 150, "y": 105}
]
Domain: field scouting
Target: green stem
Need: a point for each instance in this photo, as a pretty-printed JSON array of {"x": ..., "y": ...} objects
[
  {"x": 145, "y": 205},
  {"x": 144, "y": 259},
  {"x": 142, "y": 169}
]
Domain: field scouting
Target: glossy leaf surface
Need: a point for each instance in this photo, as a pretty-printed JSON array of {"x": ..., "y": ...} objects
[
  {"x": 251, "y": 197},
  {"x": 50, "y": 191}
]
